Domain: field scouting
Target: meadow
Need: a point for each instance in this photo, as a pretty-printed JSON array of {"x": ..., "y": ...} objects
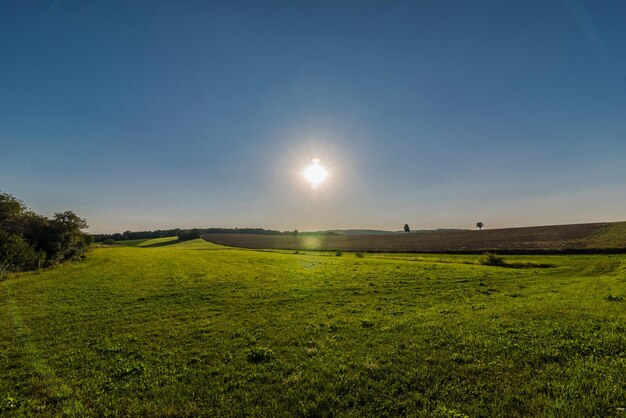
[{"x": 196, "y": 329}]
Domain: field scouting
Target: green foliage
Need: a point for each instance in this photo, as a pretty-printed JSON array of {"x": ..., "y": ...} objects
[
  {"x": 17, "y": 255},
  {"x": 491, "y": 259},
  {"x": 29, "y": 241},
  {"x": 194, "y": 329},
  {"x": 186, "y": 235},
  {"x": 338, "y": 253},
  {"x": 10, "y": 210}
]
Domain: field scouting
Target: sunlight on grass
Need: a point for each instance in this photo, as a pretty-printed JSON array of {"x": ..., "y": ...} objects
[
  {"x": 155, "y": 241},
  {"x": 176, "y": 329}
]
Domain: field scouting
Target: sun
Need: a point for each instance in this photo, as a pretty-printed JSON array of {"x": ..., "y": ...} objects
[{"x": 315, "y": 173}]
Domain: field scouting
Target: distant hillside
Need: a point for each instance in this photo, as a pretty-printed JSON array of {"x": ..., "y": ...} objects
[
  {"x": 593, "y": 237},
  {"x": 373, "y": 231}
]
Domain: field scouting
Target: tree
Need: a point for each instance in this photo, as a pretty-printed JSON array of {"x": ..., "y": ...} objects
[
  {"x": 185, "y": 235},
  {"x": 480, "y": 225},
  {"x": 64, "y": 239},
  {"x": 295, "y": 232},
  {"x": 17, "y": 255},
  {"x": 406, "y": 228},
  {"x": 11, "y": 210},
  {"x": 30, "y": 241}
]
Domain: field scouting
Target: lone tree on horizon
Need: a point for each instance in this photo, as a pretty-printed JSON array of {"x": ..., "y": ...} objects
[
  {"x": 406, "y": 228},
  {"x": 480, "y": 225}
]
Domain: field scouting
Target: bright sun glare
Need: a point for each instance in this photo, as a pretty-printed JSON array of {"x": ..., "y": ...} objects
[{"x": 315, "y": 174}]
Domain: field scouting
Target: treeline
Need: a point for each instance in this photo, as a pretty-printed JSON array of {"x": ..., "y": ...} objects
[
  {"x": 184, "y": 234},
  {"x": 160, "y": 233},
  {"x": 29, "y": 241}
]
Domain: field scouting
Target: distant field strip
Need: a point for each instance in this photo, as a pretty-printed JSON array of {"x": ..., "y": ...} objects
[{"x": 609, "y": 237}]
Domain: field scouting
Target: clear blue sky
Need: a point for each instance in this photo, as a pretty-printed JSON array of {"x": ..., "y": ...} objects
[{"x": 157, "y": 114}]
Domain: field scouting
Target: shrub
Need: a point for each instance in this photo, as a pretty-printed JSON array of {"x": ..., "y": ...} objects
[
  {"x": 29, "y": 241},
  {"x": 259, "y": 355},
  {"x": 185, "y": 235},
  {"x": 109, "y": 241},
  {"x": 366, "y": 323},
  {"x": 491, "y": 259},
  {"x": 17, "y": 255},
  {"x": 338, "y": 254},
  {"x": 359, "y": 255}
]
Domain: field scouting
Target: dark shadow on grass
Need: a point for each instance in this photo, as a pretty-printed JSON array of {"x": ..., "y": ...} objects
[
  {"x": 495, "y": 260},
  {"x": 527, "y": 265}
]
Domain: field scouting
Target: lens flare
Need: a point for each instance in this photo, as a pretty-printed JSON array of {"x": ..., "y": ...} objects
[{"x": 315, "y": 174}]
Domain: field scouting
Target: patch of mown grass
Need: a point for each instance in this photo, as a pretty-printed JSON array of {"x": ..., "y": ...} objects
[{"x": 178, "y": 330}]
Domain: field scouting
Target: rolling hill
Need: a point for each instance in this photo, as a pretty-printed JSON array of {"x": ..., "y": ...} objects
[
  {"x": 193, "y": 329},
  {"x": 575, "y": 238}
]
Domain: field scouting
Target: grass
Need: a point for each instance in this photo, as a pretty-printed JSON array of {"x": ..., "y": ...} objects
[
  {"x": 613, "y": 235},
  {"x": 131, "y": 242},
  {"x": 195, "y": 329},
  {"x": 158, "y": 242},
  {"x": 146, "y": 242}
]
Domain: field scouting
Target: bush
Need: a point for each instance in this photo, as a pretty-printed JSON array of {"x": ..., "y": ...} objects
[
  {"x": 359, "y": 255},
  {"x": 108, "y": 241},
  {"x": 29, "y": 241},
  {"x": 17, "y": 255},
  {"x": 62, "y": 239},
  {"x": 491, "y": 259},
  {"x": 186, "y": 235},
  {"x": 259, "y": 355},
  {"x": 338, "y": 254}
]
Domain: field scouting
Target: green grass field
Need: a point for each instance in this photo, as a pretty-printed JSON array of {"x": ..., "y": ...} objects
[
  {"x": 195, "y": 329},
  {"x": 145, "y": 242}
]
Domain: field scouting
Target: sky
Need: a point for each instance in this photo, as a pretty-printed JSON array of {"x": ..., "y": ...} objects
[{"x": 141, "y": 115}]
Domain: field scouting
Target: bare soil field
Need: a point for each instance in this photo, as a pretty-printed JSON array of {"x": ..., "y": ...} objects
[{"x": 576, "y": 238}]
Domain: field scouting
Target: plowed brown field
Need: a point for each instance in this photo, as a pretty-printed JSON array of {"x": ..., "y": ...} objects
[{"x": 594, "y": 237}]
